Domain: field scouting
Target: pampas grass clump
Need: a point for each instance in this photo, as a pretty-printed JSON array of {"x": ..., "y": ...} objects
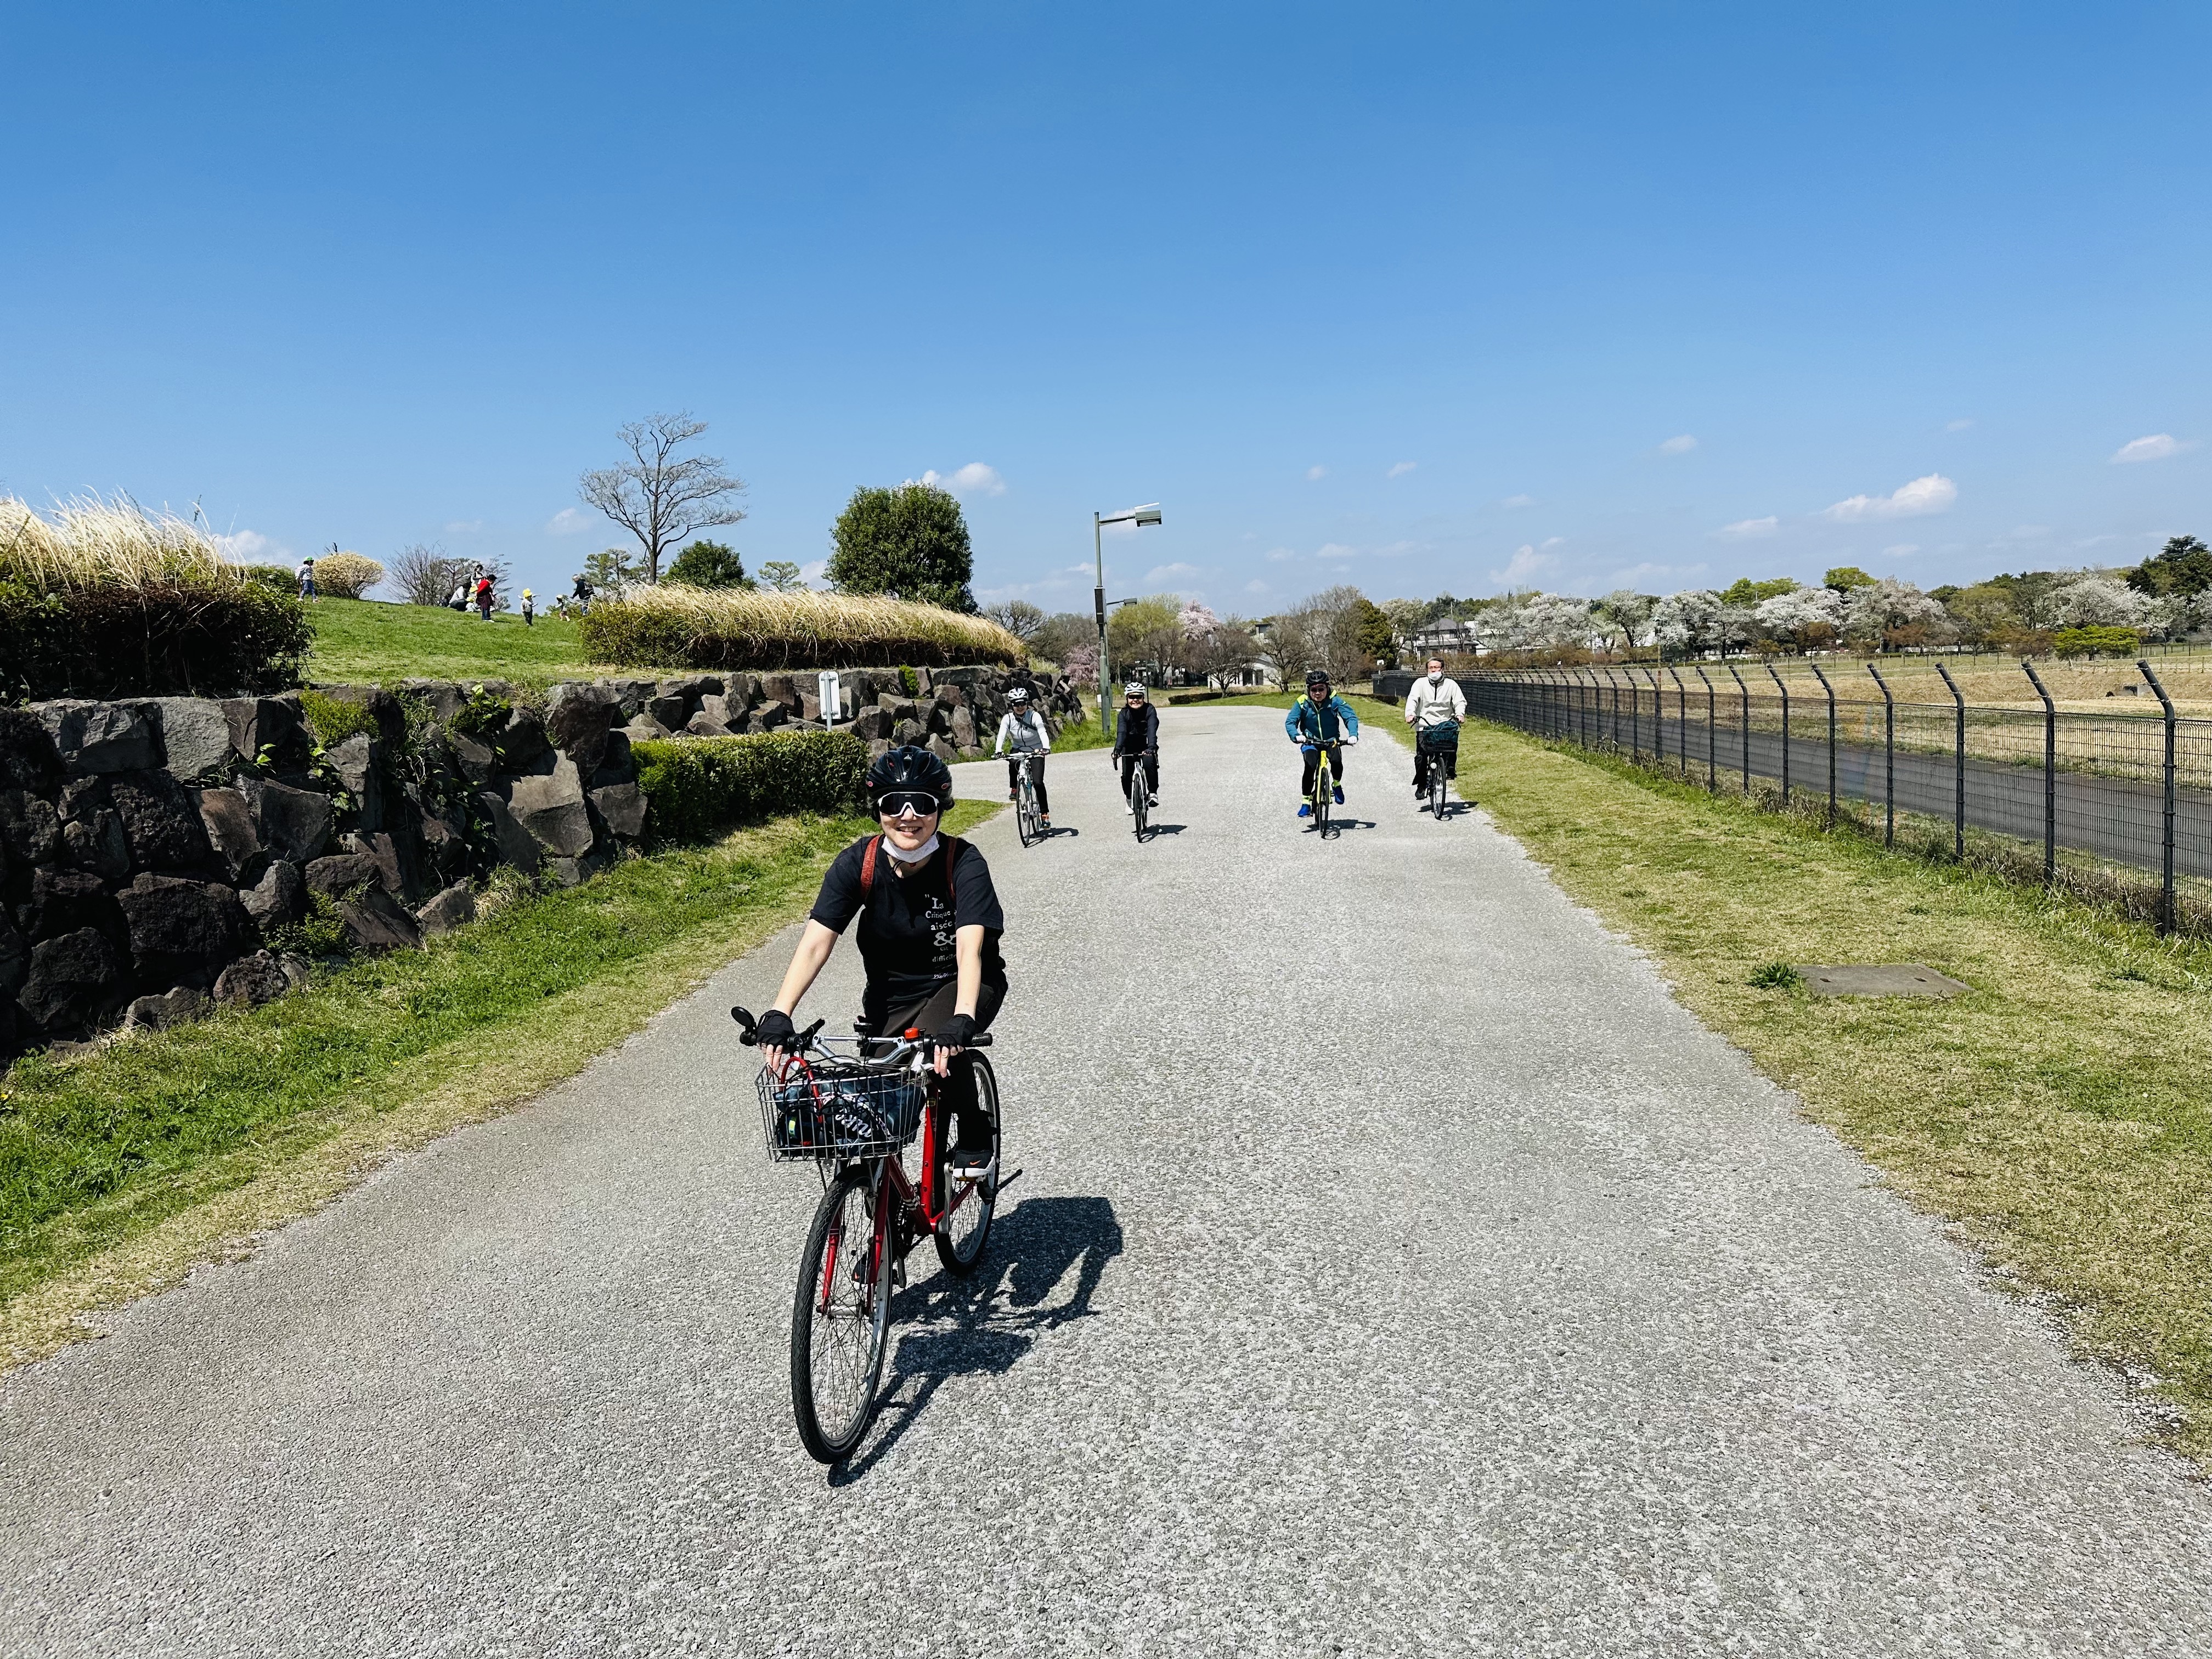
[
  {"x": 346, "y": 575},
  {"x": 102, "y": 599},
  {"x": 735, "y": 628}
]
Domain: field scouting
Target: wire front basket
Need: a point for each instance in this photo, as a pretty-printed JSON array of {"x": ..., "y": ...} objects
[{"x": 830, "y": 1112}]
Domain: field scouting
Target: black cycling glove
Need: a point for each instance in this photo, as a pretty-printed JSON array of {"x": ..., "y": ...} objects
[
  {"x": 957, "y": 1032},
  {"x": 775, "y": 1030}
]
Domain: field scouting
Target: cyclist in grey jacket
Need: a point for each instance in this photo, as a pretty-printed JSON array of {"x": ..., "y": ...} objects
[
  {"x": 1022, "y": 730},
  {"x": 1435, "y": 702}
]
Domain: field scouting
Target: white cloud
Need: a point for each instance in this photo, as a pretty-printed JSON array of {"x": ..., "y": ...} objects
[
  {"x": 1550, "y": 541},
  {"x": 465, "y": 527},
  {"x": 1636, "y": 573},
  {"x": 1277, "y": 555},
  {"x": 570, "y": 521},
  {"x": 1902, "y": 551},
  {"x": 1746, "y": 529},
  {"x": 1518, "y": 501},
  {"x": 247, "y": 545},
  {"x": 1171, "y": 573},
  {"x": 1679, "y": 445},
  {"x": 1933, "y": 494},
  {"x": 1401, "y": 469},
  {"x": 1956, "y": 425},
  {"x": 1334, "y": 551},
  {"x": 2156, "y": 447},
  {"x": 816, "y": 574},
  {"x": 1313, "y": 472},
  {"x": 1255, "y": 586},
  {"x": 973, "y": 479},
  {"x": 1525, "y": 563}
]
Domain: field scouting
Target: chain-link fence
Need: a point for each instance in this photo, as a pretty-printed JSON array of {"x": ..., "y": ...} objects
[{"x": 2132, "y": 791}]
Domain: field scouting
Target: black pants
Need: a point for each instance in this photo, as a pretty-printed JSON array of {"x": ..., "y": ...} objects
[
  {"x": 1425, "y": 755},
  {"x": 971, "y": 1126},
  {"x": 1313, "y": 762},
  {"x": 1036, "y": 776},
  {"x": 1151, "y": 759}
]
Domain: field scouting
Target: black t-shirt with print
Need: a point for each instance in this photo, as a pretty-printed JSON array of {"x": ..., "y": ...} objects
[{"x": 907, "y": 935}]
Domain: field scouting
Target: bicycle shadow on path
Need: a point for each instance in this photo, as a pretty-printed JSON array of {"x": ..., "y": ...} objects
[{"x": 982, "y": 1325}]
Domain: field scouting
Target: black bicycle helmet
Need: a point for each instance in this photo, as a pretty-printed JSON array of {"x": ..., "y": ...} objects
[
  {"x": 910, "y": 769},
  {"x": 1317, "y": 676}
]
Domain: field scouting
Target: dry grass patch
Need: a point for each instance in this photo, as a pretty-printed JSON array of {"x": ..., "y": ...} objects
[{"x": 738, "y": 628}]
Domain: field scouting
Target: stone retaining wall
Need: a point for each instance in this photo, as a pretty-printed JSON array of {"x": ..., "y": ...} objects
[{"x": 161, "y": 854}]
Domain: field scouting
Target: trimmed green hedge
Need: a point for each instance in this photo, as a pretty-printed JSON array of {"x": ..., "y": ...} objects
[
  {"x": 166, "y": 636},
  {"x": 695, "y": 788}
]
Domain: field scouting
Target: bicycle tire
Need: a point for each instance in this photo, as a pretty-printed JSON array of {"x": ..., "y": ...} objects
[
  {"x": 851, "y": 1364},
  {"x": 960, "y": 1251},
  {"x": 1323, "y": 778},
  {"x": 1139, "y": 812},
  {"x": 1437, "y": 784}
]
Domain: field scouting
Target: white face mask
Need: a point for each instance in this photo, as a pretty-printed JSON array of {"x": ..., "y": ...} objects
[
  {"x": 920, "y": 854},
  {"x": 1435, "y": 677}
]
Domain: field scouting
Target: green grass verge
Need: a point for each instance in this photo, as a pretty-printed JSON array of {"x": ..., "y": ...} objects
[
  {"x": 2058, "y": 1115},
  {"x": 367, "y": 642},
  {"x": 238, "y": 1122}
]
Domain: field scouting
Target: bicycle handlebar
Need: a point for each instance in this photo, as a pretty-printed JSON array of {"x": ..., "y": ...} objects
[{"x": 902, "y": 1045}]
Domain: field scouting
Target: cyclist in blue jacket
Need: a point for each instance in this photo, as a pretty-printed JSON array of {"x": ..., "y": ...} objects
[{"x": 1320, "y": 717}]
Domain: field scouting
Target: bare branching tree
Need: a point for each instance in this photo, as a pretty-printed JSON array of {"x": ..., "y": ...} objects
[
  {"x": 426, "y": 575},
  {"x": 657, "y": 497}
]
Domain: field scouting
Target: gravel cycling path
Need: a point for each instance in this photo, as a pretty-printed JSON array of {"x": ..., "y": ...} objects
[{"x": 1397, "y": 1270}]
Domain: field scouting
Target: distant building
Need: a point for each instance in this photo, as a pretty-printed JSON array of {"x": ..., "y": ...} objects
[{"x": 1444, "y": 636}]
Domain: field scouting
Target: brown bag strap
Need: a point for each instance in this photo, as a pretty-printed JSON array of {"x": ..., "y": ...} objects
[{"x": 868, "y": 866}]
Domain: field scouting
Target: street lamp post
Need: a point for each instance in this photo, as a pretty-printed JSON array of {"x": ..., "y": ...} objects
[{"x": 1148, "y": 514}]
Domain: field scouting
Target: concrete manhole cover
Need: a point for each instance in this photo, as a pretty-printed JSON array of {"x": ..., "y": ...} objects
[{"x": 1904, "y": 979}]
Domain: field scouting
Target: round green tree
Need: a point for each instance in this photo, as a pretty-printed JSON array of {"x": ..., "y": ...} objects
[
  {"x": 910, "y": 543},
  {"x": 707, "y": 564}
]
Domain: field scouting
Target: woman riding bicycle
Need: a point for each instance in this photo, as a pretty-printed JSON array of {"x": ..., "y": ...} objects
[
  {"x": 1022, "y": 732},
  {"x": 930, "y": 923}
]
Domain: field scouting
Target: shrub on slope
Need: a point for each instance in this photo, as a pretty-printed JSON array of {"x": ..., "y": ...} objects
[
  {"x": 733, "y": 628},
  {"x": 104, "y": 599}
]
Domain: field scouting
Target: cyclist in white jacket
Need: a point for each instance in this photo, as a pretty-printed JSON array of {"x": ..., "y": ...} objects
[
  {"x": 1022, "y": 730},
  {"x": 1435, "y": 701}
]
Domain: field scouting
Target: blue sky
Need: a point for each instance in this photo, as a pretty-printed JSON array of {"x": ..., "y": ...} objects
[{"x": 1422, "y": 298}]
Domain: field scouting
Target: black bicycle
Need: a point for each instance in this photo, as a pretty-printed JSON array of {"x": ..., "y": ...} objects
[
  {"x": 853, "y": 1106},
  {"x": 1438, "y": 743}
]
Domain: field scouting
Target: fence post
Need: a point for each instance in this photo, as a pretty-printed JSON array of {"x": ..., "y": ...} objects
[
  {"x": 1831, "y": 691},
  {"x": 2050, "y": 774},
  {"x": 1583, "y": 678},
  {"x": 1613, "y": 716},
  {"x": 1681, "y": 722},
  {"x": 1959, "y": 810},
  {"x": 1712, "y": 741},
  {"x": 1658, "y": 718},
  {"x": 1745, "y": 689},
  {"x": 1784, "y": 690},
  {"x": 1888, "y": 759},
  {"x": 2166, "y": 877}
]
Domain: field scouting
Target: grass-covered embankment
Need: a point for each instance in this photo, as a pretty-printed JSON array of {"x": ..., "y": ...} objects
[
  {"x": 2059, "y": 1115},
  {"x": 367, "y": 642},
  {"x": 119, "y": 1169}
]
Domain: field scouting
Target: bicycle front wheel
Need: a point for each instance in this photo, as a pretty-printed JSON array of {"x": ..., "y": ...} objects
[
  {"x": 1322, "y": 778},
  {"x": 1138, "y": 809},
  {"x": 965, "y": 1226},
  {"x": 1025, "y": 813},
  {"x": 1437, "y": 786},
  {"x": 841, "y": 1314}
]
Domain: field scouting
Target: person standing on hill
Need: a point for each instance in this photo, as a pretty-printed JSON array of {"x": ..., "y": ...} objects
[
  {"x": 582, "y": 596},
  {"x": 306, "y": 578},
  {"x": 483, "y": 593},
  {"x": 529, "y": 609}
]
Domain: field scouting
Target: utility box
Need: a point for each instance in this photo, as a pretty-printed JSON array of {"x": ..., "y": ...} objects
[{"x": 833, "y": 708}]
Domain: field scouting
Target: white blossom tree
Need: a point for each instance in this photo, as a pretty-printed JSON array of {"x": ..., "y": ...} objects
[
  {"x": 1804, "y": 619},
  {"x": 2095, "y": 601}
]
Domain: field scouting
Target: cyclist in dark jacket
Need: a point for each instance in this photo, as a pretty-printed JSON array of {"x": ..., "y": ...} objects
[
  {"x": 1321, "y": 717},
  {"x": 1137, "y": 738},
  {"x": 930, "y": 923}
]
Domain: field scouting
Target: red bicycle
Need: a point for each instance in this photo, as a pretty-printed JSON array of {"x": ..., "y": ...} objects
[{"x": 853, "y": 1106}]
